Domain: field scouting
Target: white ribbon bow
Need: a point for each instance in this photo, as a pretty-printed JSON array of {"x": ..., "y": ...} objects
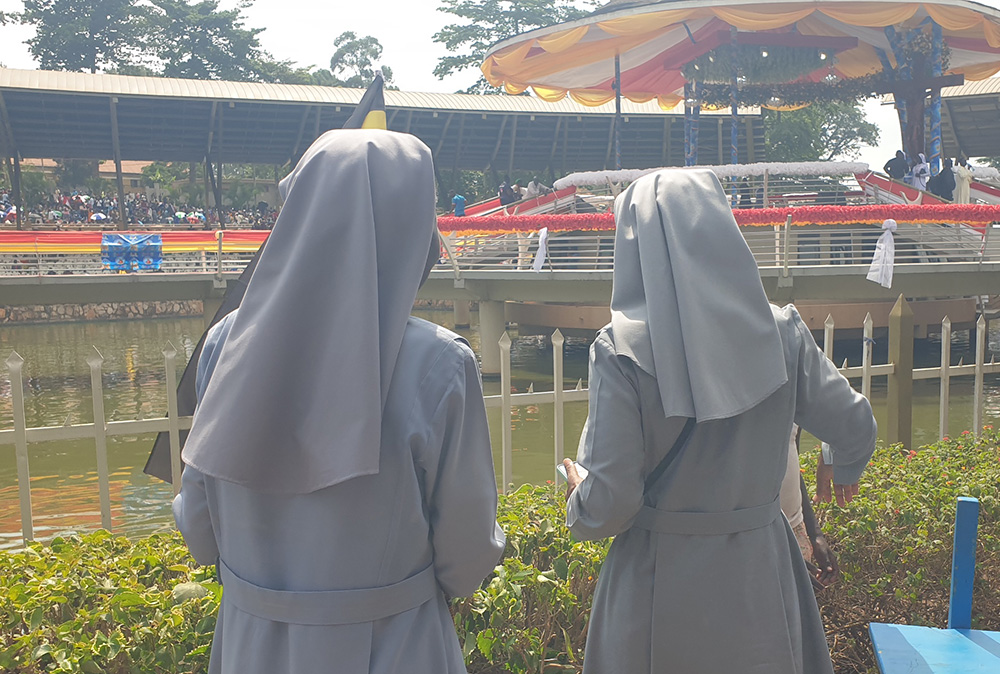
[{"x": 880, "y": 270}]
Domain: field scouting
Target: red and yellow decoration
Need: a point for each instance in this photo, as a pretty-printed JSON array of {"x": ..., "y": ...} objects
[
  {"x": 654, "y": 42},
  {"x": 233, "y": 241},
  {"x": 969, "y": 214}
]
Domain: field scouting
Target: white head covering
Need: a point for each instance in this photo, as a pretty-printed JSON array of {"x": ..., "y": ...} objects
[
  {"x": 295, "y": 401},
  {"x": 880, "y": 270},
  {"x": 688, "y": 306}
]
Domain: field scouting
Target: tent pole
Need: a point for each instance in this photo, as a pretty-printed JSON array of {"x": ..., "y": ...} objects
[
  {"x": 618, "y": 112},
  {"x": 937, "y": 39}
]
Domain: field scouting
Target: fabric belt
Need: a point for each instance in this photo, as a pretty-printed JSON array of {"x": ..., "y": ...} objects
[
  {"x": 706, "y": 524},
  {"x": 328, "y": 607}
]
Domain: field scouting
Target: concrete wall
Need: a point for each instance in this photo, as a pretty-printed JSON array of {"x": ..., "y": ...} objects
[{"x": 105, "y": 311}]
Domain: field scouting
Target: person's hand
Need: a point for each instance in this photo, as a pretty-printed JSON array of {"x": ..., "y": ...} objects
[
  {"x": 826, "y": 569},
  {"x": 573, "y": 478},
  {"x": 824, "y": 481},
  {"x": 814, "y": 574},
  {"x": 845, "y": 493}
]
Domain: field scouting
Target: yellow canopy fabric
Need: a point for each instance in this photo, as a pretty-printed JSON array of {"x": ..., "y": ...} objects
[{"x": 650, "y": 42}]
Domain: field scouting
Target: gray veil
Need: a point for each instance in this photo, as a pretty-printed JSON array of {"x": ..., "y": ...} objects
[
  {"x": 295, "y": 401},
  {"x": 688, "y": 306}
]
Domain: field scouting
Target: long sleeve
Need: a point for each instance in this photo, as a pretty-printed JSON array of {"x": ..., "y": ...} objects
[
  {"x": 611, "y": 448},
  {"x": 461, "y": 483},
  {"x": 191, "y": 515},
  {"x": 830, "y": 409},
  {"x": 190, "y": 506}
]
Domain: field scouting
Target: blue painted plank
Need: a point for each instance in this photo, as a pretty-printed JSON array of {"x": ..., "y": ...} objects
[
  {"x": 989, "y": 641},
  {"x": 963, "y": 564},
  {"x": 926, "y": 650}
]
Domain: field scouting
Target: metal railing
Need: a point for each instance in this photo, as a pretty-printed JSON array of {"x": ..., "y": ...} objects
[
  {"x": 777, "y": 246},
  {"x": 21, "y": 437}
]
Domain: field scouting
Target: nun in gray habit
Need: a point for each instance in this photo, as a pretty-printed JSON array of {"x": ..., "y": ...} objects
[
  {"x": 704, "y": 575},
  {"x": 338, "y": 469}
]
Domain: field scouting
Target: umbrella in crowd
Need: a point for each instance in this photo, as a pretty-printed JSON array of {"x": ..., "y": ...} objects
[{"x": 97, "y": 217}]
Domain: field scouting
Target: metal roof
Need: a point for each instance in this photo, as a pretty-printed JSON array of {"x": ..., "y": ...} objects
[
  {"x": 970, "y": 119},
  {"x": 69, "y": 115}
]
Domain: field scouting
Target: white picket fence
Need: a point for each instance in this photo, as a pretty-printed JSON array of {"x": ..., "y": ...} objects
[{"x": 21, "y": 437}]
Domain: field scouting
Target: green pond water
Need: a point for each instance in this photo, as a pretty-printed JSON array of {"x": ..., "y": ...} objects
[{"x": 64, "y": 474}]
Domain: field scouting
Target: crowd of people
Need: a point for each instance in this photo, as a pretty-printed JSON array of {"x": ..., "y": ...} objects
[
  {"x": 951, "y": 183},
  {"x": 78, "y": 209},
  {"x": 341, "y": 519}
]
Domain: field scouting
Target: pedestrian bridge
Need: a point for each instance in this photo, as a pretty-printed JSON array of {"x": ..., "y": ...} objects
[{"x": 934, "y": 264}]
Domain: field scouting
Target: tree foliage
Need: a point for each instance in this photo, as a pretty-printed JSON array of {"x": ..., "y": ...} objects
[
  {"x": 355, "y": 61},
  {"x": 200, "y": 41},
  {"x": 180, "y": 38},
  {"x": 87, "y": 35},
  {"x": 483, "y": 23},
  {"x": 820, "y": 132}
]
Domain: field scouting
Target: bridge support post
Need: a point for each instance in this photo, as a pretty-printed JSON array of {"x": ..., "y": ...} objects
[
  {"x": 900, "y": 393},
  {"x": 210, "y": 306},
  {"x": 462, "y": 309},
  {"x": 492, "y": 324}
]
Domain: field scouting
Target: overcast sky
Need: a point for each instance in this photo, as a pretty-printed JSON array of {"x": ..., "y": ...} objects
[{"x": 303, "y": 31}]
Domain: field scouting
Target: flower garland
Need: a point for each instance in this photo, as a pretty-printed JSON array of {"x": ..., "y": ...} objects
[{"x": 969, "y": 214}]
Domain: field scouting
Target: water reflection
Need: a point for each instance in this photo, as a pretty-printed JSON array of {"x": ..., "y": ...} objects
[{"x": 57, "y": 391}]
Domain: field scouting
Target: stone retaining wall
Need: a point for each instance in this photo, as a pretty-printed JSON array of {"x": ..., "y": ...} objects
[{"x": 105, "y": 311}]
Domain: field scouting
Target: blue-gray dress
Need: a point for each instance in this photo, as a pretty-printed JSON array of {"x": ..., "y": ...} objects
[
  {"x": 710, "y": 579},
  {"x": 353, "y": 578}
]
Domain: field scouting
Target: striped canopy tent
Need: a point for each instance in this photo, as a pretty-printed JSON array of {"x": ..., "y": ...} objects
[{"x": 646, "y": 47}]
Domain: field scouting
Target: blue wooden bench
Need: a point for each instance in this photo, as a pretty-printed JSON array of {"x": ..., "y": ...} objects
[{"x": 957, "y": 649}]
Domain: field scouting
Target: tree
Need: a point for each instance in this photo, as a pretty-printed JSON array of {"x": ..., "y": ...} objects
[
  {"x": 820, "y": 132},
  {"x": 36, "y": 187},
  {"x": 76, "y": 174},
  {"x": 200, "y": 41},
  {"x": 87, "y": 35},
  {"x": 164, "y": 174},
  {"x": 486, "y": 22},
  {"x": 354, "y": 62}
]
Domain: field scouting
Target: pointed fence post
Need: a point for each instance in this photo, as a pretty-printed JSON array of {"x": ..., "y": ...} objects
[
  {"x": 828, "y": 327},
  {"x": 945, "y": 377},
  {"x": 558, "y": 341},
  {"x": 866, "y": 357},
  {"x": 95, "y": 360},
  {"x": 506, "y": 471},
  {"x": 977, "y": 392},
  {"x": 900, "y": 394},
  {"x": 173, "y": 424},
  {"x": 15, "y": 365}
]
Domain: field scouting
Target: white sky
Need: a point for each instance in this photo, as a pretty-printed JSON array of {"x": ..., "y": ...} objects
[{"x": 303, "y": 31}]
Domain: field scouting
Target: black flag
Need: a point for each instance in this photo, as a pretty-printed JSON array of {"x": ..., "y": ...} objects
[{"x": 370, "y": 114}]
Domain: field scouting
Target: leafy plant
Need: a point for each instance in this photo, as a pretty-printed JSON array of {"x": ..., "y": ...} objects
[{"x": 102, "y": 603}]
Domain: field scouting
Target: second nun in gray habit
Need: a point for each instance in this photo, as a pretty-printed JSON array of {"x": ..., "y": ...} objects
[
  {"x": 338, "y": 469},
  {"x": 704, "y": 574}
]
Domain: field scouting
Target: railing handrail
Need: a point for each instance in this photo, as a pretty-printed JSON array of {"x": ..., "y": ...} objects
[{"x": 21, "y": 436}]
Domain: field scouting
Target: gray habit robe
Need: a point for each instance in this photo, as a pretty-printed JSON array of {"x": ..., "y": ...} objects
[
  {"x": 432, "y": 504},
  {"x": 728, "y": 592}
]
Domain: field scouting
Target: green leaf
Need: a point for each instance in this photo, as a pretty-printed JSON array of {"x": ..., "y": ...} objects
[
  {"x": 36, "y": 618},
  {"x": 41, "y": 651}
]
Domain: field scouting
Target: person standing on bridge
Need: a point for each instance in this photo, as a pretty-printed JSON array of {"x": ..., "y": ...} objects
[
  {"x": 896, "y": 167},
  {"x": 963, "y": 182},
  {"x": 694, "y": 386},
  {"x": 339, "y": 470}
]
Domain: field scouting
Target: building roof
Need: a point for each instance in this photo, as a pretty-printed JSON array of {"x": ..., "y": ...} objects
[
  {"x": 970, "y": 119},
  {"x": 69, "y": 115}
]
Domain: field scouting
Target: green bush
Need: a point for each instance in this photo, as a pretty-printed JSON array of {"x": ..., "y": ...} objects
[{"x": 101, "y": 603}]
